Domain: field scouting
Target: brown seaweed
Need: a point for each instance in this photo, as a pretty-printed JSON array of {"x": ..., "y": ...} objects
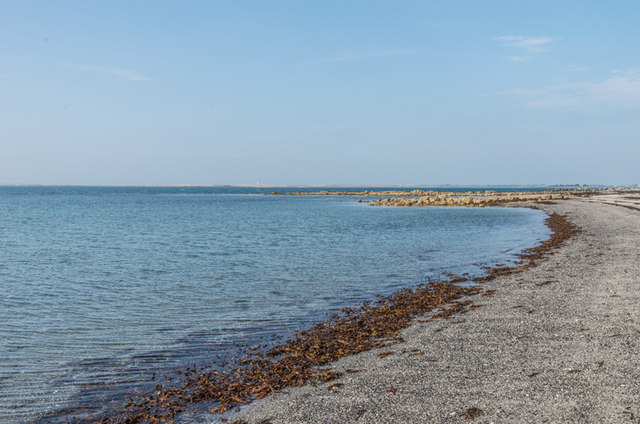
[{"x": 303, "y": 358}]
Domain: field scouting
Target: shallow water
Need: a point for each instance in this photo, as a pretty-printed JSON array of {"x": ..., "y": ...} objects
[{"x": 112, "y": 285}]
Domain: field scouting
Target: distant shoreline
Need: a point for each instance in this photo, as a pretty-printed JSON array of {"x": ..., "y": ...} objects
[{"x": 420, "y": 186}]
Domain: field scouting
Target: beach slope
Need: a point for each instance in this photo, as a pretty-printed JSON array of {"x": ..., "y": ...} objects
[{"x": 559, "y": 342}]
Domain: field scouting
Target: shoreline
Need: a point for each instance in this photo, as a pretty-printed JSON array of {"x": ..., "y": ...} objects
[
  {"x": 555, "y": 343},
  {"x": 457, "y": 307},
  {"x": 431, "y": 198},
  {"x": 303, "y": 359},
  {"x": 79, "y": 407}
]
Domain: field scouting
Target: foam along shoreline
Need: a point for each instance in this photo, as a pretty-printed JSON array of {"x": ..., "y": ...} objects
[{"x": 558, "y": 342}]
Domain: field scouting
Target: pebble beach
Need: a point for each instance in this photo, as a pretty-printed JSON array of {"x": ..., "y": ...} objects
[{"x": 557, "y": 342}]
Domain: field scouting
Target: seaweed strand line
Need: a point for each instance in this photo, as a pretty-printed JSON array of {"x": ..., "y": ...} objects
[{"x": 304, "y": 358}]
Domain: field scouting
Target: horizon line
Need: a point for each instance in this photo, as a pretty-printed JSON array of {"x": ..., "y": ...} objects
[{"x": 311, "y": 185}]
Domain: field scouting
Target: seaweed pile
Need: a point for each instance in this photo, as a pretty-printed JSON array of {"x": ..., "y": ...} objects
[{"x": 306, "y": 357}]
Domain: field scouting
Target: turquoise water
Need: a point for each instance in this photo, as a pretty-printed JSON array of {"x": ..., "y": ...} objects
[{"x": 112, "y": 285}]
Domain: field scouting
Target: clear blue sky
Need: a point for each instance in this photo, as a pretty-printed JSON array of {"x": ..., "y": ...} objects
[{"x": 319, "y": 92}]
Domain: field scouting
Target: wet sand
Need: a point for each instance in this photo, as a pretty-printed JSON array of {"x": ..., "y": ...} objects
[{"x": 556, "y": 343}]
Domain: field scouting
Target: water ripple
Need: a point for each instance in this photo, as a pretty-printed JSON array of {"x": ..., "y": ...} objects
[{"x": 105, "y": 289}]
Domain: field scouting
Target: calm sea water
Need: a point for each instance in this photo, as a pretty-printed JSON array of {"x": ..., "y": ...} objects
[{"x": 114, "y": 285}]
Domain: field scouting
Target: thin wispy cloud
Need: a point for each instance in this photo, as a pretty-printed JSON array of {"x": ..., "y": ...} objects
[
  {"x": 622, "y": 89},
  {"x": 351, "y": 56},
  {"x": 125, "y": 74},
  {"x": 528, "y": 44}
]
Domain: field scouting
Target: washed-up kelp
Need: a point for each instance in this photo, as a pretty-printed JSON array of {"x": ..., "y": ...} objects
[{"x": 305, "y": 357}]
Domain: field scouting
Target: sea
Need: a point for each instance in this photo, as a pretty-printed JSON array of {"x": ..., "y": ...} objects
[{"x": 105, "y": 289}]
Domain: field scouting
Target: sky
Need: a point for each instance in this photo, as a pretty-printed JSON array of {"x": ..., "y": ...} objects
[{"x": 358, "y": 92}]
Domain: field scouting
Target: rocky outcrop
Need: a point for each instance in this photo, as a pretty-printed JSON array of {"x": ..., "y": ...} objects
[
  {"x": 449, "y": 198},
  {"x": 445, "y": 199}
]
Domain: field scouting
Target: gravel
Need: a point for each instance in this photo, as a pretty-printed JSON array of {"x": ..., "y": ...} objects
[{"x": 556, "y": 343}]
